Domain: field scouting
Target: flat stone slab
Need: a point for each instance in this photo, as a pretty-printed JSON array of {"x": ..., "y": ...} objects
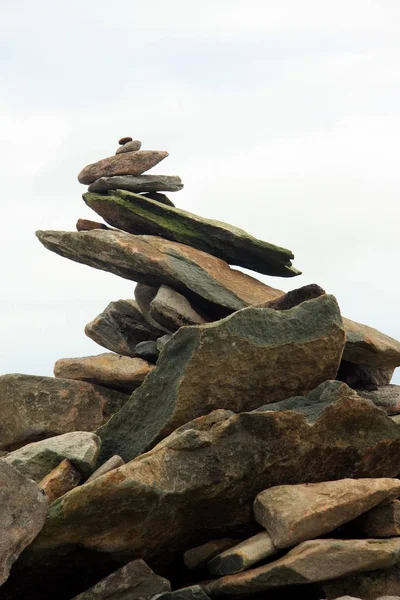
[
  {"x": 294, "y": 513},
  {"x": 130, "y": 163},
  {"x": 254, "y": 355},
  {"x": 156, "y": 261},
  {"x": 244, "y": 555},
  {"x": 368, "y": 346},
  {"x": 23, "y": 511},
  {"x": 140, "y": 215},
  {"x": 33, "y": 408},
  {"x": 315, "y": 560},
  {"x": 109, "y": 369},
  {"x": 381, "y": 521},
  {"x": 121, "y": 327},
  {"x": 141, "y": 183},
  {"x": 172, "y": 310},
  {"x": 37, "y": 460}
]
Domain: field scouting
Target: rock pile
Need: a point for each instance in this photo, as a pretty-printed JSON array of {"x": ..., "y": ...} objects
[{"x": 233, "y": 441}]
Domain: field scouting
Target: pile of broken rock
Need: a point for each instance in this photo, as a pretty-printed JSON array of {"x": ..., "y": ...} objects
[{"x": 234, "y": 441}]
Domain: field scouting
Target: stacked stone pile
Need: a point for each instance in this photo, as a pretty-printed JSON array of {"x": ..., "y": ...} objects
[{"x": 234, "y": 440}]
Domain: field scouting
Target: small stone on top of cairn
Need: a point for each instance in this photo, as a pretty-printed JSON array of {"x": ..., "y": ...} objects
[{"x": 124, "y": 140}]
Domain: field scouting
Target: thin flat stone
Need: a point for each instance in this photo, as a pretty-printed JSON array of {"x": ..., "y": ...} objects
[
  {"x": 139, "y": 215},
  {"x": 196, "y": 558},
  {"x": 130, "y": 163},
  {"x": 172, "y": 310},
  {"x": 243, "y": 555},
  {"x": 158, "y": 198},
  {"x": 141, "y": 183},
  {"x": 132, "y": 146}
]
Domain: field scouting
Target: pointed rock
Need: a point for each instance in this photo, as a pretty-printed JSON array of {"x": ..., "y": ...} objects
[
  {"x": 253, "y": 356},
  {"x": 155, "y": 261},
  {"x": 33, "y": 408},
  {"x": 159, "y": 198},
  {"x": 243, "y": 555},
  {"x": 59, "y": 481},
  {"x": 139, "y": 215},
  {"x": 141, "y": 183},
  {"x": 130, "y": 163}
]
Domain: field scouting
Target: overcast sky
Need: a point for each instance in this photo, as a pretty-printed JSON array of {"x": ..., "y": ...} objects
[{"x": 281, "y": 117}]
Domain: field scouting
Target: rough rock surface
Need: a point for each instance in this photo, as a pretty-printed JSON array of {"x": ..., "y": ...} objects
[
  {"x": 142, "y": 183},
  {"x": 131, "y": 146},
  {"x": 60, "y": 480},
  {"x": 193, "y": 472},
  {"x": 380, "y": 584},
  {"x": 37, "y": 460},
  {"x": 139, "y": 215},
  {"x": 134, "y": 581},
  {"x": 130, "y": 163},
  {"x": 23, "y": 511},
  {"x": 243, "y": 555},
  {"x": 120, "y": 327},
  {"x": 172, "y": 310},
  {"x": 254, "y": 356},
  {"x": 155, "y": 261},
  {"x": 144, "y": 295},
  {"x": 364, "y": 377},
  {"x": 112, "y": 463},
  {"x": 147, "y": 351},
  {"x": 33, "y": 408},
  {"x": 294, "y": 513},
  {"x": 111, "y": 370},
  {"x": 368, "y": 346},
  {"x": 386, "y": 397},
  {"x": 381, "y": 521},
  {"x": 316, "y": 560},
  {"x": 197, "y": 557}
]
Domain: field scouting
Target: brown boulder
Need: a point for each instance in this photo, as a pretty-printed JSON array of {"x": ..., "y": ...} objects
[
  {"x": 60, "y": 480},
  {"x": 128, "y": 163}
]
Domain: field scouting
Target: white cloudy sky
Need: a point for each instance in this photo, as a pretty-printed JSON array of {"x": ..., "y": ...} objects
[{"x": 281, "y": 117}]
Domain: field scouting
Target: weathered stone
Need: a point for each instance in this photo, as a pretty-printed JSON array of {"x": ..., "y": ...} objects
[
  {"x": 368, "y": 346},
  {"x": 163, "y": 341},
  {"x": 60, "y": 480},
  {"x": 253, "y": 356},
  {"x": 124, "y": 140},
  {"x": 243, "y": 555},
  {"x": 194, "y": 592},
  {"x": 294, "y": 513},
  {"x": 203, "y": 478},
  {"x": 159, "y": 198},
  {"x": 295, "y": 297},
  {"x": 23, "y": 511},
  {"x": 364, "y": 377},
  {"x": 87, "y": 225},
  {"x": 197, "y": 557},
  {"x": 139, "y": 215},
  {"x": 381, "y": 521},
  {"x": 112, "y": 463},
  {"x": 380, "y": 584},
  {"x": 130, "y": 146},
  {"x": 142, "y": 183},
  {"x": 111, "y": 370},
  {"x": 386, "y": 397},
  {"x": 130, "y": 163},
  {"x": 144, "y": 295},
  {"x": 33, "y": 408},
  {"x": 37, "y": 460},
  {"x": 172, "y": 310},
  {"x": 147, "y": 351},
  {"x": 120, "y": 327},
  {"x": 155, "y": 261},
  {"x": 134, "y": 581},
  {"x": 315, "y": 560}
]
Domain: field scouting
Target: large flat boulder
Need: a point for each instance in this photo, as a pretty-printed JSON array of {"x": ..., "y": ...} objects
[
  {"x": 156, "y": 261},
  {"x": 130, "y": 163},
  {"x": 141, "y": 183},
  {"x": 140, "y": 215},
  {"x": 202, "y": 479},
  {"x": 255, "y": 356},
  {"x": 33, "y": 408},
  {"x": 23, "y": 511}
]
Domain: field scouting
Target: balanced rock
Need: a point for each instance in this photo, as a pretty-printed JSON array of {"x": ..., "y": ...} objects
[
  {"x": 379, "y": 584},
  {"x": 294, "y": 513},
  {"x": 33, "y": 408},
  {"x": 254, "y": 356},
  {"x": 139, "y": 215},
  {"x": 386, "y": 397},
  {"x": 60, "y": 480},
  {"x": 130, "y": 146},
  {"x": 124, "y": 140},
  {"x": 38, "y": 459},
  {"x": 381, "y": 521},
  {"x": 213, "y": 467},
  {"x": 87, "y": 225},
  {"x": 155, "y": 261},
  {"x": 23, "y": 511},
  {"x": 109, "y": 369},
  {"x": 134, "y": 581},
  {"x": 120, "y": 327},
  {"x": 243, "y": 555},
  {"x": 172, "y": 310},
  {"x": 197, "y": 557},
  {"x": 142, "y": 183},
  {"x": 130, "y": 163},
  {"x": 315, "y": 560}
]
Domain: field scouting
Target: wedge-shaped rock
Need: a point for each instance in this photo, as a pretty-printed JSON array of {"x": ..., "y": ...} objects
[
  {"x": 130, "y": 163},
  {"x": 144, "y": 295},
  {"x": 197, "y": 557},
  {"x": 172, "y": 310},
  {"x": 368, "y": 346},
  {"x": 120, "y": 327},
  {"x": 316, "y": 560},
  {"x": 141, "y": 183},
  {"x": 294, "y": 513},
  {"x": 87, "y": 225},
  {"x": 381, "y": 521},
  {"x": 134, "y": 581},
  {"x": 380, "y": 584},
  {"x": 243, "y": 555},
  {"x": 37, "y": 460},
  {"x": 112, "y": 463},
  {"x": 33, "y": 408},
  {"x": 111, "y": 370},
  {"x": 255, "y": 355},
  {"x": 155, "y": 261},
  {"x": 386, "y": 397},
  {"x": 23, "y": 511},
  {"x": 60, "y": 480},
  {"x": 203, "y": 478},
  {"x": 140, "y": 215}
]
